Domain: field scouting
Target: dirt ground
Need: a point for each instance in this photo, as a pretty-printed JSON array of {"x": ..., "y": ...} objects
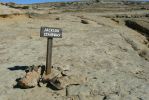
[{"x": 103, "y": 56}]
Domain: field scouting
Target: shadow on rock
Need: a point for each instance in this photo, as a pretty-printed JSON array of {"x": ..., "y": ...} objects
[
  {"x": 17, "y": 85},
  {"x": 18, "y": 68}
]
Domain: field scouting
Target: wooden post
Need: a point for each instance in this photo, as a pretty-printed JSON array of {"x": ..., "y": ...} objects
[
  {"x": 49, "y": 55},
  {"x": 50, "y": 33}
]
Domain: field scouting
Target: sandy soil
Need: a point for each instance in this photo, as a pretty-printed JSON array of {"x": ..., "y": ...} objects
[{"x": 102, "y": 55}]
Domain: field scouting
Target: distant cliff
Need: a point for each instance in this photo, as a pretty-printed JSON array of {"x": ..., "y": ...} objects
[{"x": 114, "y": 0}]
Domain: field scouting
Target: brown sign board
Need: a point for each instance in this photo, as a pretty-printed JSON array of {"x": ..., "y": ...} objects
[{"x": 50, "y": 32}]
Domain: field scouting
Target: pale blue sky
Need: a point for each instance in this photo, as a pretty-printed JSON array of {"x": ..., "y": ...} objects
[{"x": 37, "y": 1}]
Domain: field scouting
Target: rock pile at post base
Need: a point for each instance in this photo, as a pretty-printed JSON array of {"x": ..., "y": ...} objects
[
  {"x": 31, "y": 78},
  {"x": 57, "y": 80}
]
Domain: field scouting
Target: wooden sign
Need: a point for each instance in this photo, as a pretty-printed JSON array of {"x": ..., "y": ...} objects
[{"x": 51, "y": 32}]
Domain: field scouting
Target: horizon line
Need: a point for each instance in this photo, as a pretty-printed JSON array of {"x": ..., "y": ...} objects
[
  {"x": 52, "y": 1},
  {"x": 35, "y": 2}
]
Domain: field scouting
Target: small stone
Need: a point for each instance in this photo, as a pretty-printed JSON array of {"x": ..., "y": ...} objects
[
  {"x": 55, "y": 84},
  {"x": 66, "y": 73},
  {"x": 42, "y": 83},
  {"x": 67, "y": 67},
  {"x": 57, "y": 18},
  {"x": 84, "y": 21}
]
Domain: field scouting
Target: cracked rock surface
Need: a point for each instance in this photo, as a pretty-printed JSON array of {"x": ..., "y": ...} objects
[{"x": 99, "y": 60}]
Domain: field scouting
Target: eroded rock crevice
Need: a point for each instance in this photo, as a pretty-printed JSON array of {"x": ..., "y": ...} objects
[
  {"x": 141, "y": 49},
  {"x": 141, "y": 29}
]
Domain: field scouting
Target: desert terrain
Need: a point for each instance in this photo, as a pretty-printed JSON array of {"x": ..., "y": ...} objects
[{"x": 104, "y": 50}]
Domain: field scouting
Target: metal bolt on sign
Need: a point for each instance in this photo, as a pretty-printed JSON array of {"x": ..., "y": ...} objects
[{"x": 50, "y": 33}]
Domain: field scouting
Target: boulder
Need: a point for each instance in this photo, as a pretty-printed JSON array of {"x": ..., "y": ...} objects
[{"x": 30, "y": 80}]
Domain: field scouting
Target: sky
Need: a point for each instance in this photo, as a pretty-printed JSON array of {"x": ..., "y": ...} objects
[{"x": 40, "y": 1}]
